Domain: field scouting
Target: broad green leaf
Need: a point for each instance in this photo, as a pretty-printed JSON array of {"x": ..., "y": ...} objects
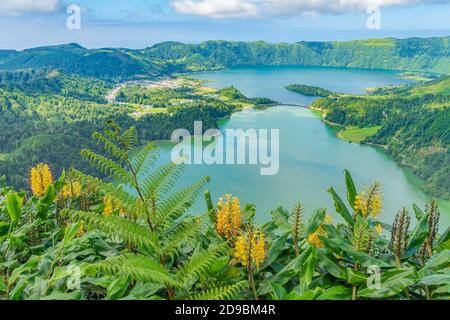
[
  {"x": 13, "y": 204},
  {"x": 437, "y": 262},
  {"x": 418, "y": 212},
  {"x": 314, "y": 222},
  {"x": 436, "y": 280},
  {"x": 102, "y": 247},
  {"x": 309, "y": 268},
  {"x": 445, "y": 236},
  {"x": 275, "y": 249},
  {"x": 392, "y": 283},
  {"x": 285, "y": 274},
  {"x": 355, "y": 277},
  {"x": 249, "y": 212},
  {"x": 278, "y": 292},
  {"x": 117, "y": 288},
  {"x": 60, "y": 296},
  {"x": 417, "y": 237},
  {"x": 281, "y": 219},
  {"x": 331, "y": 265},
  {"x": 71, "y": 231},
  {"x": 351, "y": 190},
  {"x": 4, "y": 228},
  {"x": 336, "y": 293},
  {"x": 341, "y": 207}
]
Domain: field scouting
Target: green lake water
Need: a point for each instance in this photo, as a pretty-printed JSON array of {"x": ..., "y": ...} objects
[{"x": 312, "y": 158}]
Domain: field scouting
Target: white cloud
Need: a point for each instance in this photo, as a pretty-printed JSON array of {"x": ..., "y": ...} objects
[
  {"x": 217, "y": 8},
  {"x": 18, "y": 7},
  {"x": 252, "y": 8}
]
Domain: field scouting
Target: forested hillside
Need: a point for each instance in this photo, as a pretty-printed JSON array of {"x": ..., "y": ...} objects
[
  {"x": 414, "y": 124},
  {"x": 431, "y": 54},
  {"x": 47, "y": 116},
  {"x": 414, "y": 54}
]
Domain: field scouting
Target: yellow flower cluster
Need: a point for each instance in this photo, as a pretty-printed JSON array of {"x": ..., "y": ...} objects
[
  {"x": 228, "y": 217},
  {"x": 40, "y": 179},
  {"x": 71, "y": 190},
  {"x": 379, "y": 229},
  {"x": 314, "y": 237},
  {"x": 250, "y": 248},
  {"x": 110, "y": 206},
  {"x": 81, "y": 231},
  {"x": 368, "y": 203}
]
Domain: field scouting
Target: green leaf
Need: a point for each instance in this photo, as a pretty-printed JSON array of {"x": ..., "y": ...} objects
[
  {"x": 13, "y": 204},
  {"x": 4, "y": 228},
  {"x": 351, "y": 190},
  {"x": 392, "y": 283},
  {"x": 436, "y": 280},
  {"x": 336, "y": 293},
  {"x": 437, "y": 262},
  {"x": 314, "y": 222},
  {"x": 418, "y": 212},
  {"x": 117, "y": 288},
  {"x": 341, "y": 208},
  {"x": 331, "y": 265},
  {"x": 309, "y": 268},
  {"x": 278, "y": 292},
  {"x": 71, "y": 231},
  {"x": 56, "y": 295},
  {"x": 275, "y": 250},
  {"x": 285, "y": 274},
  {"x": 445, "y": 236},
  {"x": 281, "y": 219},
  {"x": 355, "y": 277},
  {"x": 417, "y": 237},
  {"x": 103, "y": 248}
]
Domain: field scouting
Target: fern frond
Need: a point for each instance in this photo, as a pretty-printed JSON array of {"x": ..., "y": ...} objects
[
  {"x": 109, "y": 146},
  {"x": 162, "y": 179},
  {"x": 130, "y": 232},
  {"x": 137, "y": 267},
  {"x": 107, "y": 166},
  {"x": 222, "y": 293},
  {"x": 177, "y": 204},
  {"x": 199, "y": 263},
  {"x": 185, "y": 232},
  {"x": 145, "y": 159},
  {"x": 129, "y": 139}
]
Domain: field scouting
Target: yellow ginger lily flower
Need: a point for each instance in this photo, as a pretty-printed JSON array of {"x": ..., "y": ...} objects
[
  {"x": 228, "y": 217},
  {"x": 314, "y": 237},
  {"x": 71, "y": 190},
  {"x": 40, "y": 178},
  {"x": 369, "y": 203},
  {"x": 250, "y": 247}
]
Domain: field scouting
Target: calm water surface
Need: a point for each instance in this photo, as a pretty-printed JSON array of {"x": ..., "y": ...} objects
[{"x": 312, "y": 158}]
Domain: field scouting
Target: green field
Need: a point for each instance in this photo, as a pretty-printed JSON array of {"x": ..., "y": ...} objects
[{"x": 355, "y": 134}]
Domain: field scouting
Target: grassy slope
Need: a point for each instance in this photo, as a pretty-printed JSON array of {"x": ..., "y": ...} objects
[{"x": 357, "y": 135}]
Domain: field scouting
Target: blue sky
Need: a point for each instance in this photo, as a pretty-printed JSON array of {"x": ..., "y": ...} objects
[{"x": 141, "y": 23}]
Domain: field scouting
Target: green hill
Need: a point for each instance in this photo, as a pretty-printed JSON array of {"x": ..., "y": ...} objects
[
  {"x": 413, "y": 54},
  {"x": 411, "y": 121}
]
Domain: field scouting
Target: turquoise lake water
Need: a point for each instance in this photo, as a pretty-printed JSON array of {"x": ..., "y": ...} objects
[{"x": 311, "y": 157}]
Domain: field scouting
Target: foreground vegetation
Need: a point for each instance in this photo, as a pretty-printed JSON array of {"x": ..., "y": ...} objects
[
  {"x": 411, "y": 122},
  {"x": 81, "y": 237}
]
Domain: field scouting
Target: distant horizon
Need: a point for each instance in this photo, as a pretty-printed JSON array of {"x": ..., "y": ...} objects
[{"x": 216, "y": 40}]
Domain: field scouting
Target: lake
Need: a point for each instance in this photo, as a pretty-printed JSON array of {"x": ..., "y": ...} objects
[{"x": 312, "y": 158}]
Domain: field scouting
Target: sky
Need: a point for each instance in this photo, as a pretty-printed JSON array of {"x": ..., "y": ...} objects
[{"x": 142, "y": 23}]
